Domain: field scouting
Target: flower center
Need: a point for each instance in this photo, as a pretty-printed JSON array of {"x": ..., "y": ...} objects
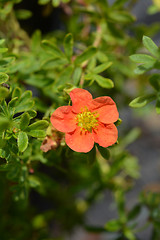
[{"x": 87, "y": 120}]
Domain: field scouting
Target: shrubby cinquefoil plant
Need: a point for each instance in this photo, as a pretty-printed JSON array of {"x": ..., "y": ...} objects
[{"x": 60, "y": 149}]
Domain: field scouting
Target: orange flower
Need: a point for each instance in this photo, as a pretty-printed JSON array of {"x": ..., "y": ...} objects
[{"x": 87, "y": 121}]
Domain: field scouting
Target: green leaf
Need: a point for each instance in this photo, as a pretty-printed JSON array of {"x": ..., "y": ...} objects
[
  {"x": 23, "y": 14},
  {"x": 43, "y": 2},
  {"x": 151, "y": 46},
  {"x": 51, "y": 48},
  {"x": 13, "y": 171},
  {"x": 103, "y": 82},
  {"x": 3, "y": 78},
  {"x": 121, "y": 16},
  {"x": 24, "y": 107},
  {"x": 128, "y": 233},
  {"x": 113, "y": 225},
  {"x": 52, "y": 64},
  {"x": 142, "y": 58},
  {"x": 24, "y": 122},
  {"x": 134, "y": 212},
  {"x": 101, "y": 56},
  {"x": 77, "y": 75},
  {"x": 13, "y": 102},
  {"x": 25, "y": 96},
  {"x": 25, "y": 103},
  {"x": 5, "y": 61},
  {"x": 3, "y": 50},
  {"x": 155, "y": 81},
  {"x": 2, "y": 41},
  {"x": 65, "y": 76},
  {"x": 36, "y": 39},
  {"x": 3, "y": 92},
  {"x": 16, "y": 92},
  {"x": 55, "y": 3},
  {"x": 34, "y": 181},
  {"x": 32, "y": 113},
  {"x": 37, "y": 133},
  {"x": 119, "y": 3},
  {"x": 22, "y": 141},
  {"x": 86, "y": 55},
  {"x": 104, "y": 152},
  {"x": 158, "y": 106},
  {"x": 68, "y": 45},
  {"x": 4, "y": 123},
  {"x": 144, "y": 68},
  {"x": 39, "y": 125},
  {"x": 142, "y": 100},
  {"x": 102, "y": 67}
]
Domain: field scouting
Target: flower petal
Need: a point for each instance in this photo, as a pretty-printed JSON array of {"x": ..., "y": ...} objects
[
  {"x": 78, "y": 141},
  {"x": 80, "y": 99},
  {"x": 106, "y": 108},
  {"x": 105, "y": 134},
  {"x": 63, "y": 119}
]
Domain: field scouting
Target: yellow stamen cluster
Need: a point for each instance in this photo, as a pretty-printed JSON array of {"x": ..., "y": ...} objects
[{"x": 87, "y": 120}]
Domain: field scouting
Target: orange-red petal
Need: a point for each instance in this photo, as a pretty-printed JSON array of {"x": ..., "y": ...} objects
[
  {"x": 80, "y": 99},
  {"x": 63, "y": 119},
  {"x": 105, "y": 134},
  {"x": 106, "y": 108},
  {"x": 79, "y": 141}
]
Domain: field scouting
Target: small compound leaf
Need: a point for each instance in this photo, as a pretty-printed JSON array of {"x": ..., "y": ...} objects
[
  {"x": 151, "y": 46},
  {"x": 23, "y": 14},
  {"x": 142, "y": 100},
  {"x": 24, "y": 122},
  {"x": 77, "y": 75},
  {"x": 55, "y": 3},
  {"x": 103, "y": 82},
  {"x": 39, "y": 125},
  {"x": 51, "y": 48},
  {"x": 16, "y": 92},
  {"x": 3, "y": 78},
  {"x": 37, "y": 133},
  {"x": 68, "y": 45},
  {"x": 121, "y": 16},
  {"x": 32, "y": 113},
  {"x": 113, "y": 225},
  {"x": 13, "y": 102},
  {"x": 4, "y": 123},
  {"x": 144, "y": 68},
  {"x": 3, "y": 50},
  {"x": 43, "y": 2},
  {"x": 142, "y": 58},
  {"x": 24, "y": 107},
  {"x": 155, "y": 81},
  {"x": 36, "y": 40},
  {"x": 34, "y": 181},
  {"x": 65, "y": 76},
  {"x": 22, "y": 141},
  {"x": 2, "y": 41},
  {"x": 134, "y": 212},
  {"x": 3, "y": 92},
  {"x": 25, "y": 96},
  {"x": 102, "y": 67},
  {"x": 86, "y": 55}
]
